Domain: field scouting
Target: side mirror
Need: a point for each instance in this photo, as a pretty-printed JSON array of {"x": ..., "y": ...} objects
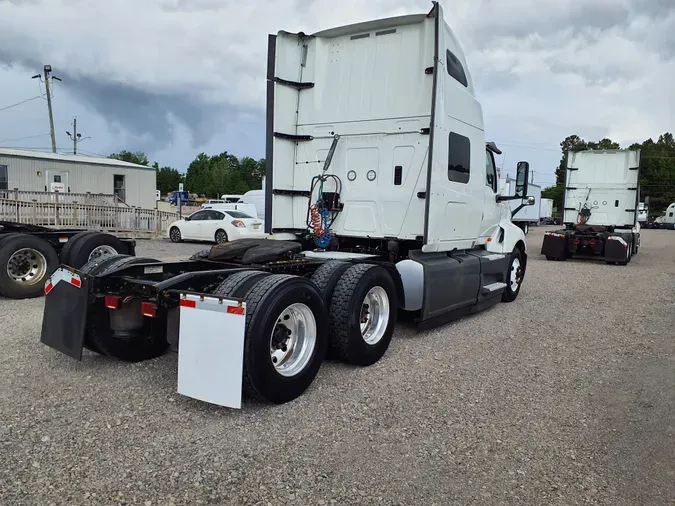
[
  {"x": 187, "y": 218},
  {"x": 528, "y": 201},
  {"x": 522, "y": 177}
]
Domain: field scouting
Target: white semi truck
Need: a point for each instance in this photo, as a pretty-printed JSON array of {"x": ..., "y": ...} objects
[
  {"x": 600, "y": 208},
  {"x": 381, "y": 195}
]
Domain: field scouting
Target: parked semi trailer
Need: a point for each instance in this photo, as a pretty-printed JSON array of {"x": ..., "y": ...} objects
[
  {"x": 600, "y": 208},
  {"x": 29, "y": 254},
  {"x": 402, "y": 213}
]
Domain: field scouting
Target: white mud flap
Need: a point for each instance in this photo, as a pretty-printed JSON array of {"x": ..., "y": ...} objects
[{"x": 211, "y": 349}]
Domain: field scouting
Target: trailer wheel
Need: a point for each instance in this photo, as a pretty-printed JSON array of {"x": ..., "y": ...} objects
[
  {"x": 95, "y": 246},
  {"x": 64, "y": 255},
  {"x": 238, "y": 284},
  {"x": 514, "y": 276},
  {"x": 174, "y": 235},
  {"x": 99, "y": 336},
  {"x": 26, "y": 261},
  {"x": 286, "y": 338},
  {"x": 362, "y": 314}
]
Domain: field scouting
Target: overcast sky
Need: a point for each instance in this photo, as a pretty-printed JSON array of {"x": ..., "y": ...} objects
[{"x": 176, "y": 77}]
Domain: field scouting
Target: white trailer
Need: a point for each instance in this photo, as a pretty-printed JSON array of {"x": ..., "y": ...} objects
[
  {"x": 600, "y": 207},
  {"x": 546, "y": 209},
  {"x": 528, "y": 215},
  {"x": 381, "y": 195}
]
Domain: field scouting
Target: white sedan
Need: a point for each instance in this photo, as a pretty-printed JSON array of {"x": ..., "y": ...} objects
[{"x": 216, "y": 226}]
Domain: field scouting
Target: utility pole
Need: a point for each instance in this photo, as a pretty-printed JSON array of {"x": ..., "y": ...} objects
[
  {"x": 47, "y": 71},
  {"x": 77, "y": 138}
]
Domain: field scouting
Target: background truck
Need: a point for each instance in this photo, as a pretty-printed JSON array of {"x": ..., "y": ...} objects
[
  {"x": 667, "y": 219},
  {"x": 546, "y": 211},
  {"x": 528, "y": 215},
  {"x": 401, "y": 214},
  {"x": 600, "y": 207},
  {"x": 29, "y": 254}
]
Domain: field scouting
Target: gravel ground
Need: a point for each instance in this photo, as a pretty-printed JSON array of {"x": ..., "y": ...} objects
[{"x": 566, "y": 396}]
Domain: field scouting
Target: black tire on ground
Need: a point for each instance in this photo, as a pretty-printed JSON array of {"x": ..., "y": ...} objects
[
  {"x": 64, "y": 255},
  {"x": 99, "y": 336},
  {"x": 515, "y": 268},
  {"x": 39, "y": 263},
  {"x": 326, "y": 277},
  {"x": 346, "y": 313},
  {"x": 238, "y": 284},
  {"x": 265, "y": 303},
  {"x": 221, "y": 236},
  {"x": 82, "y": 250},
  {"x": 550, "y": 258},
  {"x": 175, "y": 235}
]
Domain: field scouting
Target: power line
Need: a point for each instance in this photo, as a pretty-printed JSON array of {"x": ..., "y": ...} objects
[
  {"x": 22, "y": 138},
  {"x": 22, "y": 102}
]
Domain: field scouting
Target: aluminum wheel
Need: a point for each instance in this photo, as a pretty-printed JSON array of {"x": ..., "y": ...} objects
[
  {"x": 102, "y": 252},
  {"x": 293, "y": 340},
  {"x": 374, "y": 315},
  {"x": 174, "y": 234},
  {"x": 27, "y": 266},
  {"x": 515, "y": 275},
  {"x": 221, "y": 237}
]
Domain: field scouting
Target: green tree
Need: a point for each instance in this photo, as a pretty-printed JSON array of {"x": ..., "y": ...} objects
[
  {"x": 223, "y": 173},
  {"x": 138, "y": 157},
  {"x": 168, "y": 179}
]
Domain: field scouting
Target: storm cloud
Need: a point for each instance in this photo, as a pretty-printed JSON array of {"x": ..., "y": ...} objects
[{"x": 179, "y": 76}]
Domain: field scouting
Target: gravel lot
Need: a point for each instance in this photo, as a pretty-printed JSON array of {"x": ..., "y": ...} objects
[{"x": 566, "y": 396}]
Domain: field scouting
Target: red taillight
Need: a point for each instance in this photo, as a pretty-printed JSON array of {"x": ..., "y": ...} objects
[
  {"x": 576, "y": 241},
  {"x": 148, "y": 309},
  {"x": 238, "y": 224},
  {"x": 113, "y": 301},
  {"x": 592, "y": 242}
]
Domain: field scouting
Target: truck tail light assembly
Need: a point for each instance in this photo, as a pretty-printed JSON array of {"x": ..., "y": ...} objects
[
  {"x": 149, "y": 309},
  {"x": 113, "y": 301}
]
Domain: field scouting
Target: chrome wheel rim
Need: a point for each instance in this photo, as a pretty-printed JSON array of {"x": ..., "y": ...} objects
[
  {"x": 27, "y": 266},
  {"x": 515, "y": 275},
  {"x": 102, "y": 252},
  {"x": 175, "y": 234},
  {"x": 293, "y": 340},
  {"x": 221, "y": 237},
  {"x": 375, "y": 310}
]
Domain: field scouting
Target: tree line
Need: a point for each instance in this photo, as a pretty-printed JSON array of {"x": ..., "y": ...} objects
[
  {"x": 206, "y": 175},
  {"x": 657, "y": 169}
]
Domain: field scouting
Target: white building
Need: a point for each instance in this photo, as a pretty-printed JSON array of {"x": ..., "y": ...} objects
[{"x": 36, "y": 171}]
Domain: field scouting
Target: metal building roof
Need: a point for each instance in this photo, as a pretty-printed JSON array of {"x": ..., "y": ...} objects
[{"x": 41, "y": 155}]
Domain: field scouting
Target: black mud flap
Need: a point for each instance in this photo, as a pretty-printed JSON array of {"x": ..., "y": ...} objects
[
  {"x": 615, "y": 249},
  {"x": 65, "y": 314},
  {"x": 554, "y": 245}
]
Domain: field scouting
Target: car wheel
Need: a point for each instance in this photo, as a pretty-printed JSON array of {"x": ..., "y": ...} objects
[
  {"x": 221, "y": 237},
  {"x": 175, "y": 235}
]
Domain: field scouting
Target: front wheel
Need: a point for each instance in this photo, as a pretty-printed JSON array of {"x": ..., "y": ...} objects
[
  {"x": 174, "y": 234},
  {"x": 514, "y": 276}
]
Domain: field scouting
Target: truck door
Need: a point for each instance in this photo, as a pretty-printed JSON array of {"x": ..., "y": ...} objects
[{"x": 491, "y": 208}]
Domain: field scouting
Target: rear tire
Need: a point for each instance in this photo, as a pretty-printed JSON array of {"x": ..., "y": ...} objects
[
  {"x": 64, "y": 256},
  {"x": 26, "y": 261},
  {"x": 362, "y": 314},
  {"x": 239, "y": 283},
  {"x": 95, "y": 246},
  {"x": 270, "y": 308},
  {"x": 221, "y": 236}
]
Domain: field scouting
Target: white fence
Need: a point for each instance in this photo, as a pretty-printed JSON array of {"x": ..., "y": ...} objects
[
  {"x": 121, "y": 220},
  {"x": 94, "y": 199}
]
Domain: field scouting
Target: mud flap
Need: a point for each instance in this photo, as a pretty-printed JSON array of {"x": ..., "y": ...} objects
[
  {"x": 615, "y": 249},
  {"x": 554, "y": 245},
  {"x": 65, "y": 313},
  {"x": 211, "y": 349}
]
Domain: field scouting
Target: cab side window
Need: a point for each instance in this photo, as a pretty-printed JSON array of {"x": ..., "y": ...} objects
[
  {"x": 490, "y": 171},
  {"x": 459, "y": 158}
]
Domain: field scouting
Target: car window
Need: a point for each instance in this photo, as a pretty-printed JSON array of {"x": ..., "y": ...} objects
[
  {"x": 198, "y": 216},
  {"x": 238, "y": 214},
  {"x": 216, "y": 215}
]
